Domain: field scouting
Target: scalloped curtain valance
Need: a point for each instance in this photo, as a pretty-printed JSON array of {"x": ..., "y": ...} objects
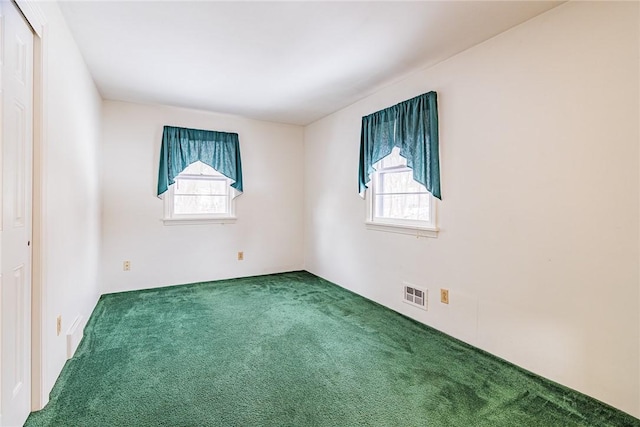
[
  {"x": 412, "y": 126},
  {"x": 182, "y": 146}
]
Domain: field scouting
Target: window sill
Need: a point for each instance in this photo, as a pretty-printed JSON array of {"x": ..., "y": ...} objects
[
  {"x": 412, "y": 230},
  {"x": 199, "y": 221}
]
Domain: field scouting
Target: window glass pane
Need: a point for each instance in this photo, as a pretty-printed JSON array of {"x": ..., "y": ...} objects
[
  {"x": 201, "y": 190},
  {"x": 399, "y": 182},
  {"x": 199, "y": 204},
  {"x": 201, "y": 186},
  {"x": 396, "y": 195},
  {"x": 406, "y": 206}
]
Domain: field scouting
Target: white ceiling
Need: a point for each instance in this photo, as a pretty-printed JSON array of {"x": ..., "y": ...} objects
[{"x": 290, "y": 62}]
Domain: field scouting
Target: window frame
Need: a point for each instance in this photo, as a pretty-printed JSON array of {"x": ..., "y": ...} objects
[
  {"x": 172, "y": 218},
  {"x": 418, "y": 228}
]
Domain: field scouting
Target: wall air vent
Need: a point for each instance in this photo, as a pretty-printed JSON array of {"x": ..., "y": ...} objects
[{"x": 415, "y": 296}]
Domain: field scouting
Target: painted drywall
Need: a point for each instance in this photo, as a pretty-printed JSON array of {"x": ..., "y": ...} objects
[
  {"x": 269, "y": 229},
  {"x": 538, "y": 240},
  {"x": 70, "y": 191}
]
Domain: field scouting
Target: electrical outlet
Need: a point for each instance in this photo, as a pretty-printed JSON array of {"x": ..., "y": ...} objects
[
  {"x": 240, "y": 256},
  {"x": 58, "y": 325},
  {"x": 444, "y": 296},
  {"x": 126, "y": 265}
]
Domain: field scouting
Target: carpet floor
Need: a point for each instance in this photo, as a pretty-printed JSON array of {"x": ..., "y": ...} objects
[{"x": 291, "y": 349}]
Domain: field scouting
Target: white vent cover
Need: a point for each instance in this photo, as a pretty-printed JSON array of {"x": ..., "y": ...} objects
[{"x": 415, "y": 296}]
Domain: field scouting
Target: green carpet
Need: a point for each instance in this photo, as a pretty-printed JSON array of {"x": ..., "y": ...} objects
[{"x": 291, "y": 350}]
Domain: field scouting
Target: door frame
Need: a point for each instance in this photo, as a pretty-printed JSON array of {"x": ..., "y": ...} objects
[{"x": 34, "y": 16}]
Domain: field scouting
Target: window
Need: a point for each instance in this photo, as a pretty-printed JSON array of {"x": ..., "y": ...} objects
[
  {"x": 397, "y": 200},
  {"x": 403, "y": 187},
  {"x": 199, "y": 175},
  {"x": 200, "y": 194}
]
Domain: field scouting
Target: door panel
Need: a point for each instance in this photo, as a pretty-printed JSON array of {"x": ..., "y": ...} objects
[{"x": 16, "y": 143}]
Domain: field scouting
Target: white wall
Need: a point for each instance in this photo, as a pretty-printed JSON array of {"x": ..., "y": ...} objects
[
  {"x": 539, "y": 218},
  {"x": 269, "y": 228},
  {"x": 70, "y": 191}
]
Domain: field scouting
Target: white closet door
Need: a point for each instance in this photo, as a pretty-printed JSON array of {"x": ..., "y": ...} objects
[{"x": 16, "y": 144}]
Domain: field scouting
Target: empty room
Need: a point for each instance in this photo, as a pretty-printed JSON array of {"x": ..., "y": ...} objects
[{"x": 274, "y": 213}]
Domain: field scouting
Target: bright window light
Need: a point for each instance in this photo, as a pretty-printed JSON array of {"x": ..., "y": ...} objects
[
  {"x": 199, "y": 192},
  {"x": 396, "y": 198}
]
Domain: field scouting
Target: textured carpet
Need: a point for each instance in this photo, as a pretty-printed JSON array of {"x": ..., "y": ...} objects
[{"x": 291, "y": 350}]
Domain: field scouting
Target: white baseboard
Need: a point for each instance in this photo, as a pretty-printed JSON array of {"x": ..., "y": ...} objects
[{"x": 74, "y": 336}]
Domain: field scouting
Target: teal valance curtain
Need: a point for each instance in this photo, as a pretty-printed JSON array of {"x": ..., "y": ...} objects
[
  {"x": 182, "y": 146},
  {"x": 412, "y": 126}
]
